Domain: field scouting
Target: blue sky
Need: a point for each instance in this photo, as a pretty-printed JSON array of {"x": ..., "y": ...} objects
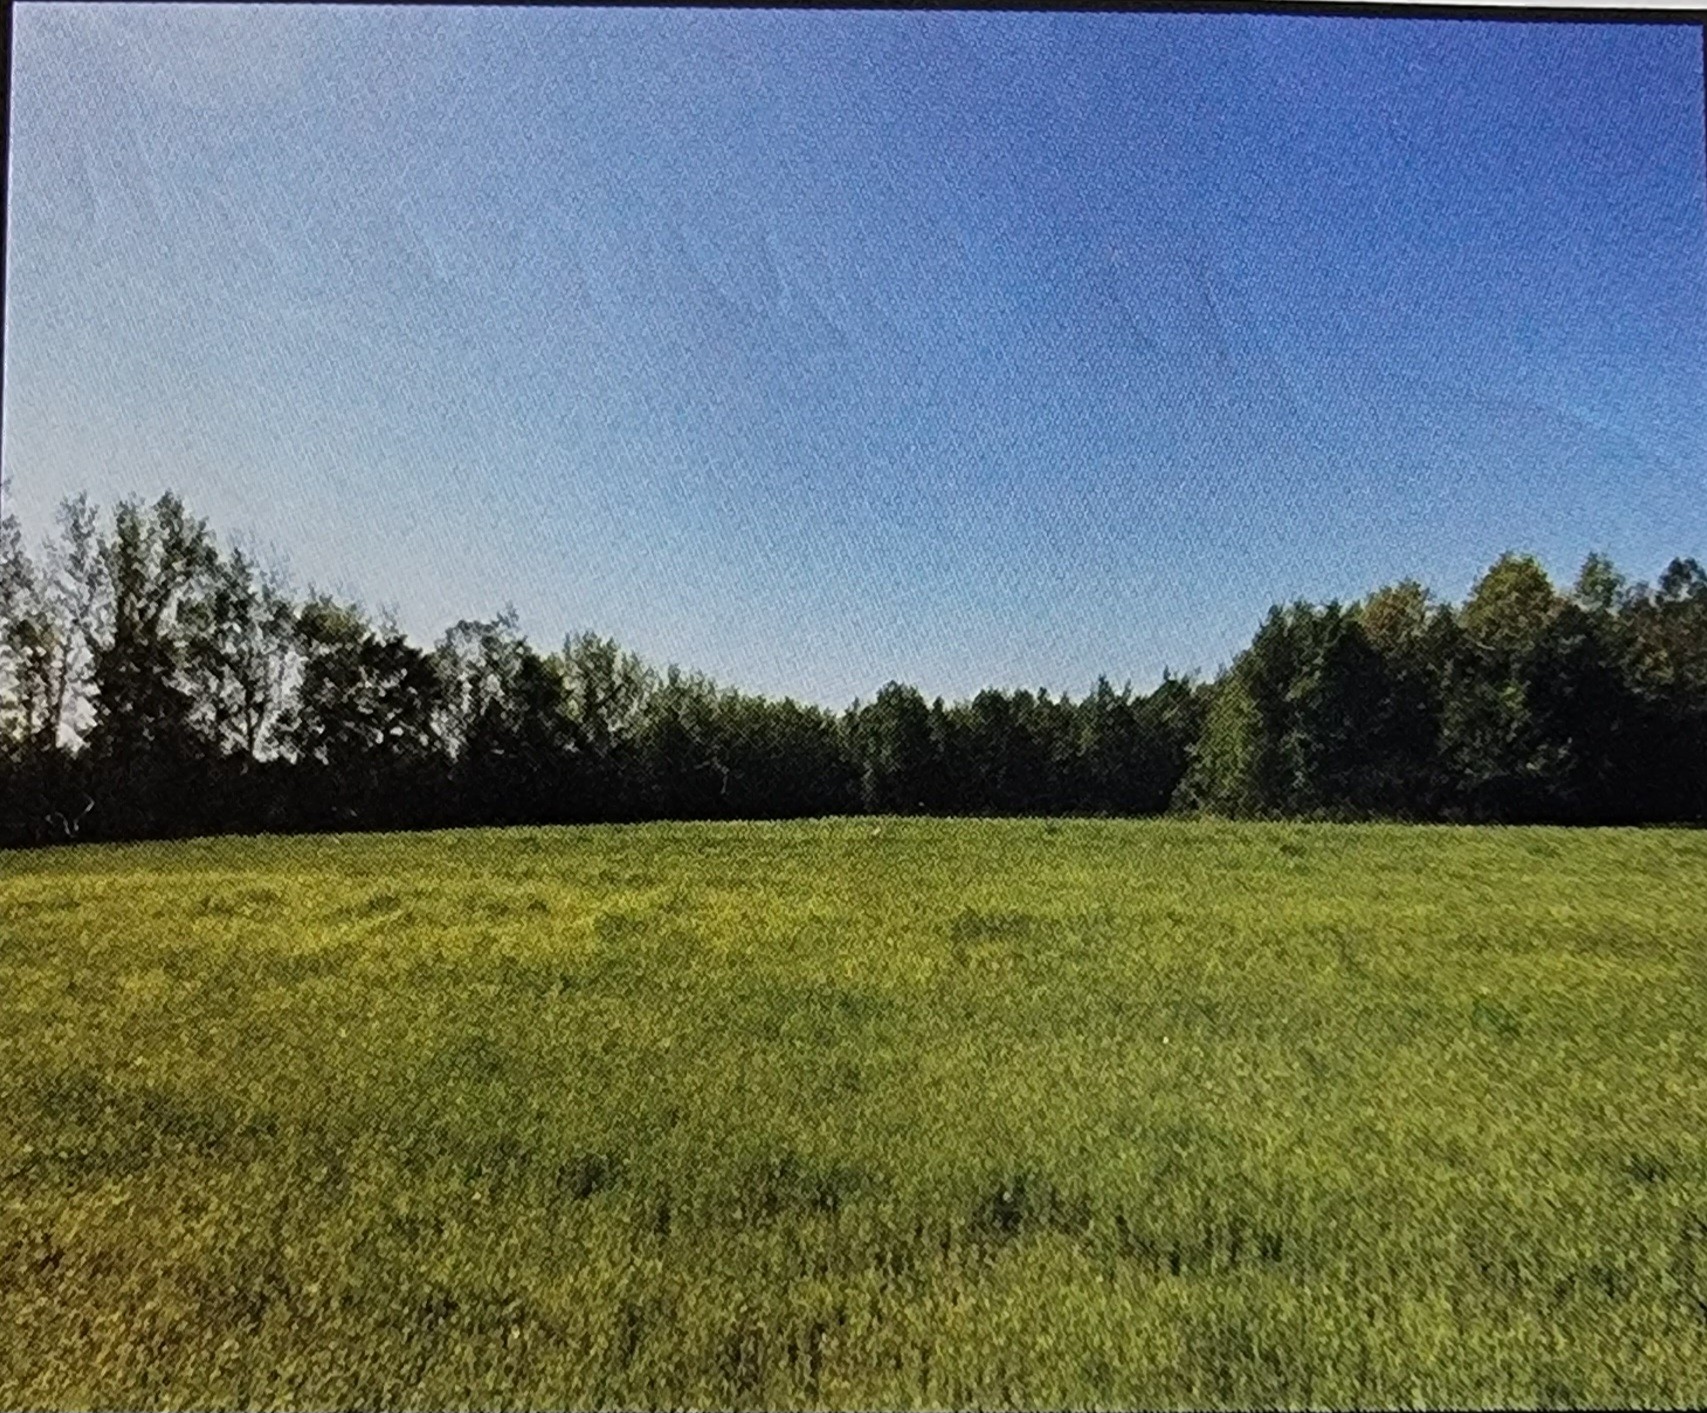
[{"x": 815, "y": 349}]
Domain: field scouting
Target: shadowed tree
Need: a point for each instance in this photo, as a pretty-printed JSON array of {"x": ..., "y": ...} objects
[
  {"x": 1267, "y": 670},
  {"x": 1250, "y": 764},
  {"x": 479, "y": 665},
  {"x": 1502, "y": 762},
  {"x": 239, "y": 636},
  {"x": 1665, "y": 661},
  {"x": 477, "y": 662},
  {"x": 1051, "y": 724},
  {"x": 784, "y": 760},
  {"x": 1600, "y": 588},
  {"x": 48, "y": 622},
  {"x": 1415, "y": 639},
  {"x": 46, "y": 627},
  {"x": 991, "y": 746},
  {"x": 898, "y": 752},
  {"x": 605, "y": 688},
  {"x": 1169, "y": 721},
  {"x": 1311, "y": 718},
  {"x": 364, "y": 722},
  {"x": 520, "y": 754},
  {"x": 1335, "y": 709},
  {"x": 147, "y": 757},
  {"x": 182, "y": 690},
  {"x": 685, "y": 770},
  {"x": 20, "y": 711},
  {"x": 1110, "y": 751},
  {"x": 1222, "y": 776},
  {"x": 17, "y": 711}
]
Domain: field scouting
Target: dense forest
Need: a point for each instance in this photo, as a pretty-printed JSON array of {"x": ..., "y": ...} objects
[{"x": 154, "y": 684}]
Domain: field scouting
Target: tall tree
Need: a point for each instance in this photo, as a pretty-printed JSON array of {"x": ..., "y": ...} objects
[
  {"x": 686, "y": 770},
  {"x": 1502, "y": 762},
  {"x": 1110, "y": 751},
  {"x": 505, "y": 722},
  {"x": 1170, "y": 720},
  {"x": 239, "y": 635},
  {"x": 898, "y": 751},
  {"x": 606, "y": 688},
  {"x": 1665, "y": 645},
  {"x": 1415, "y": 638},
  {"x": 48, "y": 622},
  {"x": 183, "y": 690},
  {"x": 1225, "y": 775},
  {"x": 144, "y": 745},
  {"x": 364, "y": 723}
]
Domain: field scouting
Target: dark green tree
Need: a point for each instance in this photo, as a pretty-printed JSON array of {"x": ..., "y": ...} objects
[
  {"x": 900, "y": 762},
  {"x": 1499, "y": 756},
  {"x": 148, "y": 757},
  {"x": 606, "y": 688},
  {"x": 364, "y": 724}
]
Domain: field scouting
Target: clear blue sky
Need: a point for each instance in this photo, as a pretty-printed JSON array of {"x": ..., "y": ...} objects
[{"x": 816, "y": 349}]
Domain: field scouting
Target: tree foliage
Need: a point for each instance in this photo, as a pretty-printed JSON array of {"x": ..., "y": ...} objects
[{"x": 152, "y": 683}]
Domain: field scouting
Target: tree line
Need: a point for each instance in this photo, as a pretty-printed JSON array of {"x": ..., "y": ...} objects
[{"x": 154, "y": 684}]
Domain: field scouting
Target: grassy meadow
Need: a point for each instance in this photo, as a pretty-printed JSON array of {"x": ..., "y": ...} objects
[{"x": 851, "y": 1113}]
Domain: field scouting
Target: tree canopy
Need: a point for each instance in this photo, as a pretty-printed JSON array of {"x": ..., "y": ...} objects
[{"x": 153, "y": 683}]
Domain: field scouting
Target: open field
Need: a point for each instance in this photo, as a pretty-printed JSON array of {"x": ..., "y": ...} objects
[{"x": 940, "y": 1113}]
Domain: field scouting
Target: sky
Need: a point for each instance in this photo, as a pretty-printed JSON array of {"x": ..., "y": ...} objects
[{"x": 817, "y": 349}]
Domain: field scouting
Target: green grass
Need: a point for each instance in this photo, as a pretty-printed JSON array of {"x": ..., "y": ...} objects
[{"x": 940, "y": 1113}]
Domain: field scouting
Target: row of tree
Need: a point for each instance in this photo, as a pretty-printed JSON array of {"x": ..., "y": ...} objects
[
  {"x": 153, "y": 684},
  {"x": 1522, "y": 705}
]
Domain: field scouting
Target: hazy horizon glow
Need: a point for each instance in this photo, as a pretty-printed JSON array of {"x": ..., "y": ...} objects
[{"x": 816, "y": 349}]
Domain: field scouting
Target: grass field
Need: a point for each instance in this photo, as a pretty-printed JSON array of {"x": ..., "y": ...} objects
[{"x": 942, "y": 1113}]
